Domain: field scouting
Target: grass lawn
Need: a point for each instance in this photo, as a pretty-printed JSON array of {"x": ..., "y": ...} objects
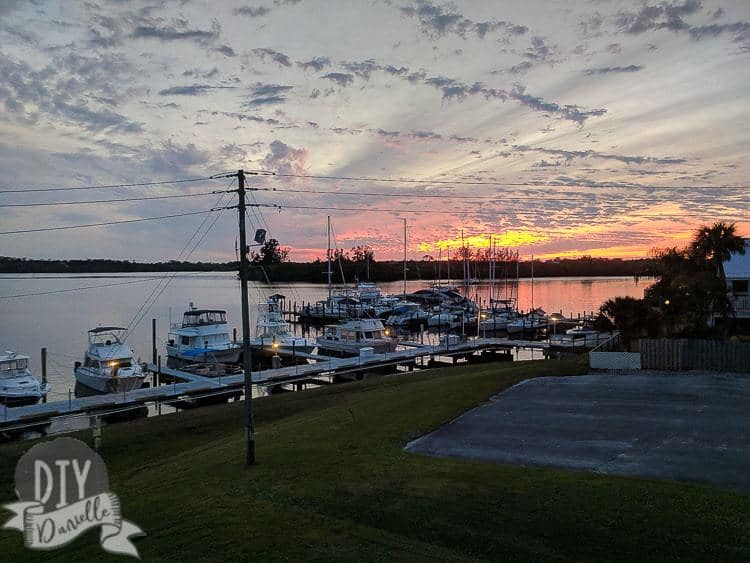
[{"x": 333, "y": 483}]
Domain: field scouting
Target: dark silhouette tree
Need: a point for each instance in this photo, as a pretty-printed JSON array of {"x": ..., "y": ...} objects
[
  {"x": 715, "y": 245},
  {"x": 270, "y": 253}
]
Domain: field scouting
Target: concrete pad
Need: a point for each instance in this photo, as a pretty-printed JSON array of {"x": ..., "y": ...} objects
[{"x": 665, "y": 426}]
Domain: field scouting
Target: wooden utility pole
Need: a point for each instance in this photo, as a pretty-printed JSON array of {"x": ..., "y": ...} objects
[
  {"x": 404, "y": 257},
  {"x": 246, "y": 358}
]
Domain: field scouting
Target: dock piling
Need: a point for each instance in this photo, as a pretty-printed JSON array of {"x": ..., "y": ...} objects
[
  {"x": 153, "y": 341},
  {"x": 44, "y": 373}
]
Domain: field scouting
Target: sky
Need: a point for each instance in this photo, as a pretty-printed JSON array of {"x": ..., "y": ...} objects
[{"x": 601, "y": 128}]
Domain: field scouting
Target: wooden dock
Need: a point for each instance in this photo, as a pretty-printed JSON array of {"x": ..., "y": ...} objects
[{"x": 186, "y": 387}]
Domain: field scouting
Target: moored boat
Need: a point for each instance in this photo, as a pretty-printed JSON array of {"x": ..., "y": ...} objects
[
  {"x": 109, "y": 365},
  {"x": 202, "y": 337},
  {"x": 18, "y": 386},
  {"x": 349, "y": 338}
]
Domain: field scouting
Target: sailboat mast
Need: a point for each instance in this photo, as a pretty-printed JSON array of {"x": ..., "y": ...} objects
[
  {"x": 404, "y": 256},
  {"x": 330, "y": 272},
  {"x": 532, "y": 282}
]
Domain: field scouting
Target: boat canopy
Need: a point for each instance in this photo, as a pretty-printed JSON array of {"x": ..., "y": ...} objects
[
  {"x": 200, "y": 317},
  {"x": 99, "y": 329}
]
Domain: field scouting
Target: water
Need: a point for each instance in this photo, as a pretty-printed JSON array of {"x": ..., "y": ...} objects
[{"x": 60, "y": 321}]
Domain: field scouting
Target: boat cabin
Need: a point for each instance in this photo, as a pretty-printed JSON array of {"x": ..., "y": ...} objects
[
  {"x": 203, "y": 317},
  {"x": 13, "y": 365}
]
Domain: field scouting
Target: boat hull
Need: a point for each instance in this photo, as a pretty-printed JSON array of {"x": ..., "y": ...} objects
[
  {"x": 176, "y": 358},
  {"x": 351, "y": 349},
  {"x": 109, "y": 384}
]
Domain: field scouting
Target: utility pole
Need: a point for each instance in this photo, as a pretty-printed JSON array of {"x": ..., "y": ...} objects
[
  {"x": 246, "y": 358},
  {"x": 404, "y": 257},
  {"x": 330, "y": 273}
]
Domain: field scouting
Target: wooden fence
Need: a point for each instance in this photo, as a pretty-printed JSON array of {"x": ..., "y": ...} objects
[{"x": 684, "y": 354}]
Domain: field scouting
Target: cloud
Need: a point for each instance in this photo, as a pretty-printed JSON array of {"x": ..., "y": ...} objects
[
  {"x": 384, "y": 133},
  {"x": 613, "y": 69},
  {"x": 429, "y": 135},
  {"x": 570, "y": 155},
  {"x": 226, "y": 50},
  {"x": 362, "y": 69},
  {"x": 173, "y": 157},
  {"x": 275, "y": 56},
  {"x": 284, "y": 159},
  {"x": 740, "y": 31},
  {"x": 267, "y": 94},
  {"x": 570, "y": 112},
  {"x": 540, "y": 51},
  {"x": 436, "y": 21},
  {"x": 171, "y": 33},
  {"x": 520, "y": 67},
  {"x": 340, "y": 78},
  {"x": 252, "y": 11},
  {"x": 316, "y": 63},
  {"x": 661, "y": 16},
  {"x": 193, "y": 90},
  {"x": 72, "y": 88}
]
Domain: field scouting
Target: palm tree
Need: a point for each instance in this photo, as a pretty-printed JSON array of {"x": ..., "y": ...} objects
[
  {"x": 716, "y": 244},
  {"x": 629, "y": 315}
]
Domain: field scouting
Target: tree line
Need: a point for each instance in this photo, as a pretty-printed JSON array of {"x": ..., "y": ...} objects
[{"x": 689, "y": 297}]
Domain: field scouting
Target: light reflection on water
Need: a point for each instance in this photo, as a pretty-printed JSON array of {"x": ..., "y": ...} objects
[{"x": 60, "y": 321}]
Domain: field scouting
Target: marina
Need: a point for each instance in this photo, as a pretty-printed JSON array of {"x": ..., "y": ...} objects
[{"x": 186, "y": 389}]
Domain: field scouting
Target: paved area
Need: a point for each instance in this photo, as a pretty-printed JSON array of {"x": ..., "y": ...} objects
[{"x": 665, "y": 426}]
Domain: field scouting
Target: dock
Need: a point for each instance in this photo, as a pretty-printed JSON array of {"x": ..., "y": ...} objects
[{"x": 186, "y": 387}]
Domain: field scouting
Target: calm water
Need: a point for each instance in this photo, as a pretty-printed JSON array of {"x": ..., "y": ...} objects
[{"x": 59, "y": 321}]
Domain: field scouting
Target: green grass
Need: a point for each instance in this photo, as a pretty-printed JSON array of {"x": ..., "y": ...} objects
[{"x": 332, "y": 482}]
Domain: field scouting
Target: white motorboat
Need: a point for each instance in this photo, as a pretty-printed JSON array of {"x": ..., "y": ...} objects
[
  {"x": 109, "y": 365},
  {"x": 534, "y": 321},
  {"x": 443, "y": 318},
  {"x": 347, "y": 339},
  {"x": 406, "y": 313},
  {"x": 582, "y": 330},
  {"x": 273, "y": 333},
  {"x": 497, "y": 316},
  {"x": 202, "y": 337},
  {"x": 18, "y": 386}
]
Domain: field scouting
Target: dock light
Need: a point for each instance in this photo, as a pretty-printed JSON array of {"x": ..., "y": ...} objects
[
  {"x": 387, "y": 332},
  {"x": 112, "y": 364},
  {"x": 275, "y": 345},
  {"x": 666, "y": 301}
]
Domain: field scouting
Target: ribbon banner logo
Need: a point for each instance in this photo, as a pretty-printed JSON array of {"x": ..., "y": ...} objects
[{"x": 63, "y": 489}]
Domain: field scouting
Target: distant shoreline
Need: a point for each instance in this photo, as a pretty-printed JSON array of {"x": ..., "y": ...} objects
[{"x": 315, "y": 272}]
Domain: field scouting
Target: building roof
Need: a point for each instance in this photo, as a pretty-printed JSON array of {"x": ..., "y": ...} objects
[{"x": 738, "y": 265}]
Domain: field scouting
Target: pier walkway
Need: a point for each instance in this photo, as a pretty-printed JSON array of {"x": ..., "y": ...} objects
[{"x": 185, "y": 385}]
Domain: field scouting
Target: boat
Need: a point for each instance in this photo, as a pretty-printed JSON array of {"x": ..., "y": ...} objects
[
  {"x": 349, "y": 338},
  {"x": 202, "y": 336},
  {"x": 273, "y": 333},
  {"x": 109, "y": 365},
  {"x": 582, "y": 330},
  {"x": 18, "y": 386},
  {"x": 407, "y": 313},
  {"x": 498, "y": 315},
  {"x": 532, "y": 322},
  {"x": 443, "y": 318}
]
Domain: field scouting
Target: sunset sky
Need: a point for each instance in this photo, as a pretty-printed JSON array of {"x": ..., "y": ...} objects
[{"x": 593, "y": 127}]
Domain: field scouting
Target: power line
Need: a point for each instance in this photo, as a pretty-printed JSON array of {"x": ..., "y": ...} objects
[
  {"x": 74, "y": 289},
  {"x": 108, "y": 200},
  {"x": 449, "y": 212},
  {"x": 483, "y": 197},
  {"x": 63, "y": 227},
  {"x": 105, "y": 186},
  {"x": 495, "y": 183}
]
